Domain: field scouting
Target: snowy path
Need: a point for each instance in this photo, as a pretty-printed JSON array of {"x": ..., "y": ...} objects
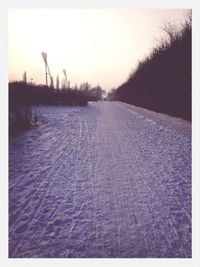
[{"x": 107, "y": 180}]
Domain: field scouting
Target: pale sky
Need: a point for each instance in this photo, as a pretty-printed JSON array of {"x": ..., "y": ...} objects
[{"x": 98, "y": 46}]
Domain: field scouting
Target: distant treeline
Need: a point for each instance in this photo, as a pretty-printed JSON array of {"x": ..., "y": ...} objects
[
  {"x": 22, "y": 96},
  {"x": 21, "y": 93},
  {"x": 162, "y": 81}
]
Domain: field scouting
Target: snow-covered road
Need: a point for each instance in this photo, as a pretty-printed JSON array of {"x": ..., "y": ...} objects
[{"x": 107, "y": 180}]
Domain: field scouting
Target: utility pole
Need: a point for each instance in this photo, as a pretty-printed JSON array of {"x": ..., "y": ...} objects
[
  {"x": 57, "y": 83},
  {"x": 47, "y": 71},
  {"x": 65, "y": 74}
]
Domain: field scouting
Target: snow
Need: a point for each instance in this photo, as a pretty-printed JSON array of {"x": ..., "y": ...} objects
[{"x": 105, "y": 181}]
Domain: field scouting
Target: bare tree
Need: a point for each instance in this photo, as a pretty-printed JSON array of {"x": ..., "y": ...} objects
[{"x": 171, "y": 31}]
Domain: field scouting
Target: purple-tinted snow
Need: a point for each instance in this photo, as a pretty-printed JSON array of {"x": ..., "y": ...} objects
[{"x": 107, "y": 180}]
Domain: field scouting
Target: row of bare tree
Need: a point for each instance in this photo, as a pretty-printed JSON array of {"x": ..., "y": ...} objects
[{"x": 162, "y": 81}]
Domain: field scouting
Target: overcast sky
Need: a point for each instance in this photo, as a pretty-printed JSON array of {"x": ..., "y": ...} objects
[{"x": 100, "y": 46}]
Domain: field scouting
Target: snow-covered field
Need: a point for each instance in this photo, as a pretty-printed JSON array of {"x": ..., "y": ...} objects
[{"x": 107, "y": 180}]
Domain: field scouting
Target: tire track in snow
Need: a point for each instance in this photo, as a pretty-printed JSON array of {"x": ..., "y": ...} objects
[
  {"x": 93, "y": 189},
  {"x": 34, "y": 167},
  {"x": 41, "y": 202},
  {"x": 158, "y": 203},
  {"x": 76, "y": 175},
  {"x": 53, "y": 213},
  {"x": 137, "y": 220},
  {"x": 57, "y": 144},
  {"x": 44, "y": 191},
  {"x": 106, "y": 148},
  {"x": 41, "y": 146},
  {"x": 39, "y": 188}
]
